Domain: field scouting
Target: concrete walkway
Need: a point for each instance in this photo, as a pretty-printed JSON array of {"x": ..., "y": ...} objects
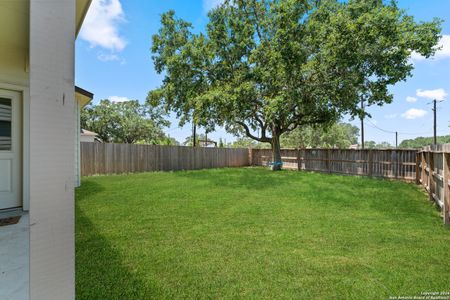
[{"x": 14, "y": 259}]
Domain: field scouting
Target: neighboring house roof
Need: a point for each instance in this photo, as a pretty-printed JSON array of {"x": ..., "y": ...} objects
[
  {"x": 87, "y": 133},
  {"x": 82, "y": 96}
]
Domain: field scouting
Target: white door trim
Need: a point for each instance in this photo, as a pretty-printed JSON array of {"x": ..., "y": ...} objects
[
  {"x": 11, "y": 152},
  {"x": 25, "y": 92}
]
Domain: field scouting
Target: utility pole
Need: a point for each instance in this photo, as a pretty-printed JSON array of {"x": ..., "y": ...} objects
[
  {"x": 396, "y": 139},
  {"x": 362, "y": 123},
  {"x": 435, "y": 122},
  {"x": 194, "y": 135}
]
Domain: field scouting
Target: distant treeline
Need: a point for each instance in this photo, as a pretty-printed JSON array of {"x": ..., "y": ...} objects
[{"x": 424, "y": 141}]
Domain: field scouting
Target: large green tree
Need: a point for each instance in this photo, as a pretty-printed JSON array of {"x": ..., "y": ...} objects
[
  {"x": 125, "y": 122},
  {"x": 273, "y": 66}
]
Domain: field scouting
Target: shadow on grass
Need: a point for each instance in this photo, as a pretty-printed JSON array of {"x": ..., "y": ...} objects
[
  {"x": 100, "y": 271},
  {"x": 88, "y": 187}
]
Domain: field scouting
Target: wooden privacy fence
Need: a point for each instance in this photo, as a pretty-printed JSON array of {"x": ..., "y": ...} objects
[
  {"x": 98, "y": 158},
  {"x": 393, "y": 163},
  {"x": 433, "y": 174}
]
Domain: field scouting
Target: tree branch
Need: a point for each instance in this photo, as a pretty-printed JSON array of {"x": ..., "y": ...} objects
[
  {"x": 261, "y": 123},
  {"x": 309, "y": 122},
  {"x": 262, "y": 139}
]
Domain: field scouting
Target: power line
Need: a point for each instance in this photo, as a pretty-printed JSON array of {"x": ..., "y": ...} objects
[
  {"x": 402, "y": 133},
  {"x": 381, "y": 129}
]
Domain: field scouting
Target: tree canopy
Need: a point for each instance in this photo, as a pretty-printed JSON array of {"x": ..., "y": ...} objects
[
  {"x": 420, "y": 142},
  {"x": 375, "y": 145},
  {"x": 246, "y": 142},
  {"x": 275, "y": 66},
  {"x": 126, "y": 122},
  {"x": 200, "y": 140},
  {"x": 339, "y": 135}
]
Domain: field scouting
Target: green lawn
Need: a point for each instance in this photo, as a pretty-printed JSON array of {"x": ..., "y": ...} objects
[{"x": 252, "y": 233}]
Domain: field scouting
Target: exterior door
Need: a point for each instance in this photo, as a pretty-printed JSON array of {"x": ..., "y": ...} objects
[{"x": 10, "y": 149}]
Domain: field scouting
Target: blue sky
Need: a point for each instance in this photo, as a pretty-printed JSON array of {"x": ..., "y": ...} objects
[{"x": 113, "y": 61}]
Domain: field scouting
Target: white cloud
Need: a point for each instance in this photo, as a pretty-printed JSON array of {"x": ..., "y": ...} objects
[
  {"x": 414, "y": 113},
  {"x": 391, "y": 116},
  {"x": 443, "y": 52},
  {"x": 108, "y": 57},
  {"x": 438, "y": 94},
  {"x": 210, "y": 4},
  {"x": 417, "y": 57},
  {"x": 101, "y": 26},
  {"x": 118, "y": 99},
  {"x": 411, "y": 99}
]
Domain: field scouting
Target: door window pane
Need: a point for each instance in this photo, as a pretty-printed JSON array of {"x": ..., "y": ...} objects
[{"x": 5, "y": 124}]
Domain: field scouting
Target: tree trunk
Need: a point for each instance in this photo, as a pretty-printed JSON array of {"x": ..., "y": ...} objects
[{"x": 276, "y": 150}]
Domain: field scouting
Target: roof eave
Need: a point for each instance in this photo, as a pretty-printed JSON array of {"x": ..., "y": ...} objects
[
  {"x": 82, "y": 96},
  {"x": 82, "y": 9}
]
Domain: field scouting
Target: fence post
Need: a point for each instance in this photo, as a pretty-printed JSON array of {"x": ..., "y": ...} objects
[
  {"x": 418, "y": 174},
  {"x": 428, "y": 158},
  {"x": 396, "y": 164},
  {"x": 250, "y": 156},
  {"x": 424, "y": 166},
  {"x": 328, "y": 161},
  {"x": 370, "y": 162},
  {"x": 301, "y": 159},
  {"x": 446, "y": 200},
  {"x": 431, "y": 179}
]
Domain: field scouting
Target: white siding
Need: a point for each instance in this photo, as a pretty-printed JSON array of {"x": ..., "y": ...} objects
[{"x": 52, "y": 35}]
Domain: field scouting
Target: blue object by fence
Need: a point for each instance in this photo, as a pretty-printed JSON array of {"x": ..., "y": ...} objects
[{"x": 276, "y": 164}]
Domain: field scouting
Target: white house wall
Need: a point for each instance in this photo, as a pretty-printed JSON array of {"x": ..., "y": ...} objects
[
  {"x": 52, "y": 35},
  {"x": 14, "y": 67}
]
